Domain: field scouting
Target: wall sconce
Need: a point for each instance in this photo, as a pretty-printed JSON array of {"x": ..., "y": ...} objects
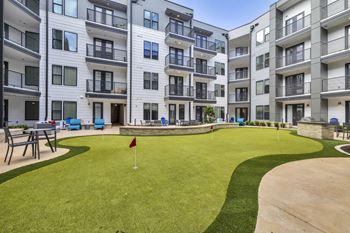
[
  {"x": 307, "y": 105},
  {"x": 339, "y": 103}
]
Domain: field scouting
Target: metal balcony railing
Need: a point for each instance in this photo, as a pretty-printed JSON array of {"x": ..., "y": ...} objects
[
  {"x": 238, "y": 75},
  {"x": 106, "y": 19},
  {"x": 185, "y": 61},
  {"x": 234, "y": 98},
  {"x": 179, "y": 90},
  {"x": 23, "y": 39},
  {"x": 336, "y": 84},
  {"x": 32, "y": 5},
  {"x": 334, "y": 8},
  {"x": 336, "y": 45},
  {"x": 205, "y": 95},
  {"x": 106, "y": 87},
  {"x": 179, "y": 30},
  {"x": 285, "y": 91},
  {"x": 234, "y": 53},
  {"x": 209, "y": 45},
  {"x": 16, "y": 79},
  {"x": 105, "y": 53},
  {"x": 203, "y": 69},
  {"x": 294, "y": 27},
  {"x": 294, "y": 58}
]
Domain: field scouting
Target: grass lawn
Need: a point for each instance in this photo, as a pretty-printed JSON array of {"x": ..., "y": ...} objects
[{"x": 186, "y": 184}]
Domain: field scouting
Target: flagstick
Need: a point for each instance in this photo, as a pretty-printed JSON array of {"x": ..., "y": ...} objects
[{"x": 135, "y": 166}]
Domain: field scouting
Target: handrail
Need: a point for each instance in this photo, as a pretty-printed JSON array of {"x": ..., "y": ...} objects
[
  {"x": 292, "y": 59},
  {"x": 340, "y": 83},
  {"x": 286, "y": 90},
  {"x": 334, "y": 8},
  {"x": 294, "y": 27},
  {"x": 172, "y": 59},
  {"x": 106, "y": 19},
  {"x": 17, "y": 79},
  {"x": 106, "y": 52},
  {"x": 179, "y": 30},
  {"x": 98, "y": 86},
  {"x": 178, "y": 90},
  {"x": 335, "y": 45}
]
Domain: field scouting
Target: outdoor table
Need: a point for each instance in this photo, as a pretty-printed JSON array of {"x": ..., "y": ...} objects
[{"x": 34, "y": 133}]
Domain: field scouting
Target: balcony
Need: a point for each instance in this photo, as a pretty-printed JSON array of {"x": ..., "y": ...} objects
[
  {"x": 336, "y": 50},
  {"x": 203, "y": 71},
  {"x": 106, "y": 24},
  {"x": 178, "y": 65},
  {"x": 15, "y": 82},
  {"x": 179, "y": 92},
  {"x": 296, "y": 62},
  {"x": 239, "y": 58},
  {"x": 179, "y": 35},
  {"x": 239, "y": 76},
  {"x": 238, "y": 99},
  {"x": 294, "y": 33},
  {"x": 205, "y": 97},
  {"x": 20, "y": 45},
  {"x": 296, "y": 92},
  {"x": 204, "y": 49},
  {"x": 336, "y": 87},
  {"x": 22, "y": 10},
  {"x": 335, "y": 13},
  {"x": 105, "y": 90},
  {"x": 102, "y": 55}
]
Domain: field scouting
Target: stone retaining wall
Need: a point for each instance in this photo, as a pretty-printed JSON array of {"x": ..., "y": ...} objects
[
  {"x": 171, "y": 130},
  {"x": 317, "y": 130}
]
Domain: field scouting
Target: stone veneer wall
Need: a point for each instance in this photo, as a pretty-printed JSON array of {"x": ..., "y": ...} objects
[
  {"x": 171, "y": 130},
  {"x": 317, "y": 130}
]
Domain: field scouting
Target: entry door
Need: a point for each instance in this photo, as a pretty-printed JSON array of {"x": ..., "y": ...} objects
[
  {"x": 295, "y": 54},
  {"x": 97, "y": 112},
  {"x": 103, "y": 15},
  {"x": 201, "y": 41},
  {"x": 176, "y": 56},
  {"x": 242, "y": 113},
  {"x": 103, "y": 48},
  {"x": 295, "y": 85},
  {"x": 347, "y": 111},
  {"x": 200, "y": 113},
  {"x": 6, "y": 76},
  {"x": 176, "y": 85},
  {"x": 201, "y": 90},
  {"x": 116, "y": 110},
  {"x": 295, "y": 24},
  {"x": 347, "y": 76},
  {"x": 172, "y": 114},
  {"x": 103, "y": 81},
  {"x": 177, "y": 26},
  {"x": 296, "y": 112},
  {"x": 347, "y": 37},
  {"x": 201, "y": 66}
]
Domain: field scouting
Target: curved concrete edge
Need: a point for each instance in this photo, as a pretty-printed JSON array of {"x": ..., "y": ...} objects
[
  {"x": 339, "y": 148},
  {"x": 173, "y": 130}
]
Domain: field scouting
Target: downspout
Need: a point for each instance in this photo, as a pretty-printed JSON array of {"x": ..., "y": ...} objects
[
  {"x": 250, "y": 69},
  {"x": 2, "y": 64},
  {"x": 130, "y": 77},
  {"x": 227, "y": 75},
  {"x": 190, "y": 82},
  {"x": 47, "y": 63}
]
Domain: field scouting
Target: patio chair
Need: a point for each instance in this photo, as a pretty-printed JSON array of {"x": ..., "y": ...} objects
[
  {"x": 51, "y": 135},
  {"x": 346, "y": 130},
  {"x": 335, "y": 122},
  {"x": 232, "y": 120},
  {"x": 164, "y": 121},
  {"x": 241, "y": 121},
  {"x": 75, "y": 124},
  {"x": 99, "y": 124},
  {"x": 157, "y": 123},
  {"x": 11, "y": 144}
]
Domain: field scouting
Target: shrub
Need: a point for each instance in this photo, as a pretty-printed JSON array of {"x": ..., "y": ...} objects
[
  {"x": 263, "y": 124},
  {"x": 268, "y": 124},
  {"x": 251, "y": 123},
  {"x": 256, "y": 123},
  {"x": 283, "y": 125},
  {"x": 209, "y": 114},
  {"x": 18, "y": 127},
  {"x": 276, "y": 124}
]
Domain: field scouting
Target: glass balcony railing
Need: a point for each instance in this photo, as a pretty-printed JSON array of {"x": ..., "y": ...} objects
[
  {"x": 335, "y": 7},
  {"x": 336, "y": 45},
  {"x": 294, "y": 27},
  {"x": 106, "y": 53},
  {"x": 179, "y": 29},
  {"x": 293, "y": 58},
  {"x": 179, "y": 90},
  {"x": 106, "y": 87},
  {"x": 27, "y": 40},
  {"x": 106, "y": 19},
  {"x": 18, "y": 80},
  {"x": 288, "y": 90},
  {"x": 336, "y": 84}
]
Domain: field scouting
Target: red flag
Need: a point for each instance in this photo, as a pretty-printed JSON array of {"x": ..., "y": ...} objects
[
  {"x": 133, "y": 143},
  {"x": 212, "y": 127}
]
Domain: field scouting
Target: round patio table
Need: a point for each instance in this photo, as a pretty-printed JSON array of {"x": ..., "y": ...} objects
[{"x": 34, "y": 135}]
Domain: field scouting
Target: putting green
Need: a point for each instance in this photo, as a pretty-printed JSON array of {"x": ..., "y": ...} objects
[{"x": 181, "y": 184}]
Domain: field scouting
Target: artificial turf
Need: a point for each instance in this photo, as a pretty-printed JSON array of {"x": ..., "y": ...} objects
[{"x": 195, "y": 183}]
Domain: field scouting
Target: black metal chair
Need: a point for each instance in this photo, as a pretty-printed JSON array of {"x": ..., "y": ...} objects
[
  {"x": 346, "y": 130},
  {"x": 9, "y": 139}
]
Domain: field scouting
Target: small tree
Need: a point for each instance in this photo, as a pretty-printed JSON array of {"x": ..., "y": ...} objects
[{"x": 209, "y": 114}]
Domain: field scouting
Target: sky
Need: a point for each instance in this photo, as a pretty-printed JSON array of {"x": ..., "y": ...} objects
[{"x": 227, "y": 14}]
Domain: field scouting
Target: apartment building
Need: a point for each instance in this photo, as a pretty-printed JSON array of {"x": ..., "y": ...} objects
[
  {"x": 132, "y": 60},
  {"x": 123, "y": 61}
]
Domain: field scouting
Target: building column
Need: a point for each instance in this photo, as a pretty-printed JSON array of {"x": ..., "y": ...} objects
[
  {"x": 319, "y": 71},
  {"x": 1, "y": 64}
]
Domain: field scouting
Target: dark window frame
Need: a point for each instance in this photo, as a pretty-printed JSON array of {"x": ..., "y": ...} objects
[
  {"x": 64, "y": 76},
  {"x": 76, "y": 42},
  {"x": 25, "y": 72},
  {"x": 36, "y": 114},
  {"x": 54, "y": 75},
  {"x": 76, "y": 109},
  {"x": 60, "y": 40},
  {"x": 60, "y": 110},
  {"x": 63, "y": 8}
]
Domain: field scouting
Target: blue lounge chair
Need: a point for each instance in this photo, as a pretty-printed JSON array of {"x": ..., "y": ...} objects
[
  {"x": 241, "y": 121},
  {"x": 163, "y": 121},
  {"x": 99, "y": 124},
  {"x": 75, "y": 124},
  {"x": 232, "y": 120}
]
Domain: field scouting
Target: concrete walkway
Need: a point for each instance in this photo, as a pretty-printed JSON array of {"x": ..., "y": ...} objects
[
  {"x": 310, "y": 196},
  {"x": 45, "y": 153}
]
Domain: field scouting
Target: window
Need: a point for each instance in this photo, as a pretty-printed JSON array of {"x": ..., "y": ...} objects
[
  {"x": 154, "y": 111},
  {"x": 70, "y": 76},
  {"x": 56, "y": 39},
  {"x": 147, "y": 49},
  {"x": 31, "y": 110},
  {"x": 263, "y": 87},
  {"x": 241, "y": 51},
  {"x": 150, "y": 81},
  {"x": 151, "y": 20},
  {"x": 220, "y": 46},
  {"x": 241, "y": 73},
  {"x": 263, "y": 36},
  {"x": 70, "y": 7},
  {"x": 267, "y": 34},
  {"x": 263, "y": 61},
  {"x": 31, "y": 76},
  {"x": 56, "y": 110},
  {"x": 267, "y": 86},
  {"x": 69, "y": 110},
  {"x": 219, "y": 90},
  {"x": 155, "y": 51},
  {"x": 220, "y": 112},
  {"x": 155, "y": 81},
  {"x": 56, "y": 75},
  {"x": 70, "y": 41},
  {"x": 150, "y": 111},
  {"x": 181, "y": 112},
  {"x": 219, "y": 68},
  {"x": 263, "y": 112}
]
